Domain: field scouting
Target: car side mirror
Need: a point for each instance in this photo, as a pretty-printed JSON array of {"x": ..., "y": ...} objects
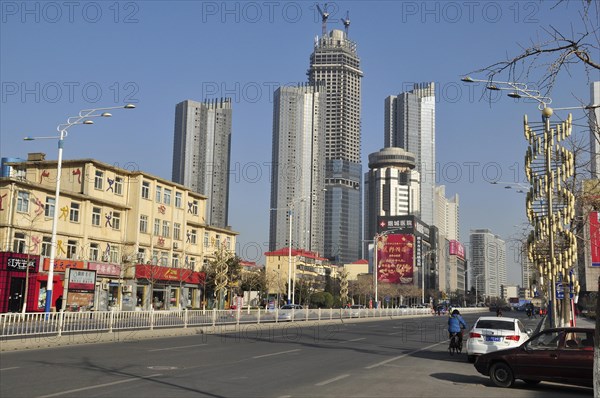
[{"x": 529, "y": 331}]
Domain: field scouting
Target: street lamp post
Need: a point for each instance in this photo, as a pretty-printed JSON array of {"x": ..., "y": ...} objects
[
  {"x": 82, "y": 118},
  {"x": 549, "y": 205}
]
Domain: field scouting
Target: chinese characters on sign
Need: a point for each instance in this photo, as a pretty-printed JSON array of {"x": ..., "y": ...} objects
[{"x": 395, "y": 256}]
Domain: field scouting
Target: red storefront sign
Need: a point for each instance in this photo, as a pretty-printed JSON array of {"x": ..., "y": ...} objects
[
  {"x": 60, "y": 265},
  {"x": 595, "y": 238},
  {"x": 456, "y": 249},
  {"x": 157, "y": 273},
  {"x": 395, "y": 258}
]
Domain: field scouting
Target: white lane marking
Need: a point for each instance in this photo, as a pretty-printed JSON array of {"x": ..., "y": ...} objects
[
  {"x": 14, "y": 367},
  {"x": 350, "y": 341},
  {"x": 340, "y": 377},
  {"x": 275, "y": 353},
  {"x": 391, "y": 334},
  {"x": 100, "y": 385},
  {"x": 401, "y": 356},
  {"x": 176, "y": 348}
]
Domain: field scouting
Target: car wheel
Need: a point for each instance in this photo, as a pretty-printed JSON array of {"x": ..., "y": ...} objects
[
  {"x": 471, "y": 358},
  {"x": 532, "y": 382},
  {"x": 501, "y": 374}
]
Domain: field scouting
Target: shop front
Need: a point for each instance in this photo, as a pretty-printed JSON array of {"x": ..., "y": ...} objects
[
  {"x": 58, "y": 286},
  {"x": 18, "y": 278},
  {"x": 164, "y": 288},
  {"x": 113, "y": 292}
]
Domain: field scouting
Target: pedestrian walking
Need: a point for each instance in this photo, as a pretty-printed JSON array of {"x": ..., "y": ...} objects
[{"x": 59, "y": 302}]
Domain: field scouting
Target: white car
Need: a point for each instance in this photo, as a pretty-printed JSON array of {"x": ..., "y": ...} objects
[
  {"x": 491, "y": 333},
  {"x": 290, "y": 312}
]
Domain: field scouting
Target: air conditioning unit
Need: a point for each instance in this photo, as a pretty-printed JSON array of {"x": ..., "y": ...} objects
[
  {"x": 127, "y": 289},
  {"x": 175, "y": 245},
  {"x": 104, "y": 286}
]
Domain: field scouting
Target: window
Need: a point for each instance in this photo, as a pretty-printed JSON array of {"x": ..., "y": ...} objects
[
  {"x": 156, "y": 226},
  {"x": 98, "y": 179},
  {"x": 94, "y": 251},
  {"x": 74, "y": 212},
  {"x": 192, "y": 263},
  {"x": 141, "y": 255},
  {"x": 96, "y": 214},
  {"x": 167, "y": 197},
  {"x": 206, "y": 241},
  {"x": 143, "y": 223},
  {"x": 166, "y": 230},
  {"x": 72, "y": 249},
  {"x": 145, "y": 190},
  {"x": 193, "y": 236},
  {"x": 114, "y": 254},
  {"x": 46, "y": 246},
  {"x": 158, "y": 193},
  {"x": 23, "y": 202},
  {"x": 178, "y": 199},
  {"x": 119, "y": 185},
  {"x": 19, "y": 243},
  {"x": 177, "y": 231},
  {"x": 175, "y": 261},
  {"x": 49, "y": 208},
  {"x": 195, "y": 207},
  {"x": 164, "y": 259},
  {"x": 116, "y": 220},
  {"x": 217, "y": 241}
]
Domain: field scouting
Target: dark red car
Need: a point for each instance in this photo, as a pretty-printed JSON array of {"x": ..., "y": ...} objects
[{"x": 561, "y": 355}]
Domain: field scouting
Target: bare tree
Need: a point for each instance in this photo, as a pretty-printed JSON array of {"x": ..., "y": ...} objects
[{"x": 554, "y": 51}]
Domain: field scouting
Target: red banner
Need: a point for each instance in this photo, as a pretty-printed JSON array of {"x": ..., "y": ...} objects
[
  {"x": 456, "y": 249},
  {"x": 595, "y": 238},
  {"x": 395, "y": 259},
  {"x": 158, "y": 273}
]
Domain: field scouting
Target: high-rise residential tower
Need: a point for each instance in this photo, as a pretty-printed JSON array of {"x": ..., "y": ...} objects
[
  {"x": 201, "y": 153},
  {"x": 298, "y": 177},
  {"x": 335, "y": 64},
  {"x": 487, "y": 263},
  {"x": 410, "y": 124}
]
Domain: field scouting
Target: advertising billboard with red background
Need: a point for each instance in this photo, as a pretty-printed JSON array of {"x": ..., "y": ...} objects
[
  {"x": 456, "y": 249},
  {"x": 395, "y": 258},
  {"x": 595, "y": 238}
]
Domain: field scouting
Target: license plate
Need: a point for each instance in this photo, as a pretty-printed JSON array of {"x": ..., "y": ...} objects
[{"x": 493, "y": 338}]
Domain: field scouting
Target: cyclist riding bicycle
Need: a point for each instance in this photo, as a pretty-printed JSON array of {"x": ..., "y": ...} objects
[{"x": 455, "y": 325}]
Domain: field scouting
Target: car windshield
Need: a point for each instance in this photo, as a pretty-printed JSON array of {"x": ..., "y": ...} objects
[{"x": 495, "y": 324}]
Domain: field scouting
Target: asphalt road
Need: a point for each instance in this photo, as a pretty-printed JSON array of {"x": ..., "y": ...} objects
[{"x": 383, "y": 358}]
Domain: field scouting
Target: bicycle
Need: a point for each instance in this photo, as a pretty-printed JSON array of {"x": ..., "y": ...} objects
[{"x": 455, "y": 345}]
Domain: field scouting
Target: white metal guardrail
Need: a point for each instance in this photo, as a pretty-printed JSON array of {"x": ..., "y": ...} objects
[{"x": 48, "y": 324}]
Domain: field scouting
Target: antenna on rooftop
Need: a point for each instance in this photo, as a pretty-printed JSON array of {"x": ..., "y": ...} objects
[
  {"x": 346, "y": 22},
  {"x": 324, "y": 16}
]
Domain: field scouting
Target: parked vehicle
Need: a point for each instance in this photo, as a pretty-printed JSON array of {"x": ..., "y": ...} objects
[
  {"x": 536, "y": 359},
  {"x": 493, "y": 334},
  {"x": 291, "y": 312},
  {"x": 356, "y": 310}
]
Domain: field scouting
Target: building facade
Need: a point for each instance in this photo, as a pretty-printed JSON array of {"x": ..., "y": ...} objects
[
  {"x": 201, "y": 154},
  {"x": 298, "y": 169},
  {"x": 307, "y": 272},
  {"x": 391, "y": 188},
  {"x": 488, "y": 263},
  {"x": 335, "y": 64},
  {"x": 409, "y": 123},
  {"x": 145, "y": 237},
  {"x": 594, "y": 121}
]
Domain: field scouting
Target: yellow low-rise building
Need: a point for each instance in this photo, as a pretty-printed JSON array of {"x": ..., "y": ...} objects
[{"x": 145, "y": 236}]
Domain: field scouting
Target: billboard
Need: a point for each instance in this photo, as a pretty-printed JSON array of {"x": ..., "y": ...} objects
[
  {"x": 395, "y": 258},
  {"x": 595, "y": 238},
  {"x": 456, "y": 249}
]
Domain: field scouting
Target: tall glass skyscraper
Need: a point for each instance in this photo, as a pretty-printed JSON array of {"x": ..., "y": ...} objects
[
  {"x": 297, "y": 173},
  {"x": 410, "y": 124},
  {"x": 335, "y": 64},
  {"x": 488, "y": 262},
  {"x": 201, "y": 154}
]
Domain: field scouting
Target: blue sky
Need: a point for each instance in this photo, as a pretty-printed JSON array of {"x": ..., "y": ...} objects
[{"x": 59, "y": 57}]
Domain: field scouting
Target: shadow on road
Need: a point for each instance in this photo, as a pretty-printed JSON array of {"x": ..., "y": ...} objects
[{"x": 540, "y": 390}]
